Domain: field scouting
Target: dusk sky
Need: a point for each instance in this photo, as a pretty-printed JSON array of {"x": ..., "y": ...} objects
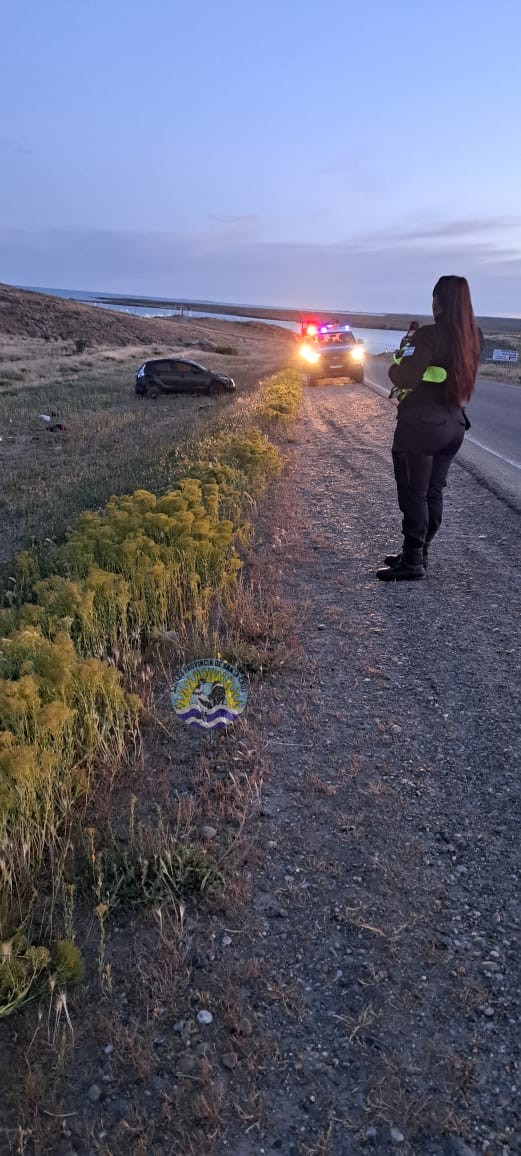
[{"x": 283, "y": 152}]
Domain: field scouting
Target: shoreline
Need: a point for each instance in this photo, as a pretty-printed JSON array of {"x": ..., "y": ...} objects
[{"x": 399, "y": 321}]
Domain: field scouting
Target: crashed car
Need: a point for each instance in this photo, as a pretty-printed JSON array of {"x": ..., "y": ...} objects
[
  {"x": 332, "y": 351},
  {"x": 177, "y": 375}
]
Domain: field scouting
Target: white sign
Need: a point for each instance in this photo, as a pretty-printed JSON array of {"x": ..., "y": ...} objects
[{"x": 505, "y": 355}]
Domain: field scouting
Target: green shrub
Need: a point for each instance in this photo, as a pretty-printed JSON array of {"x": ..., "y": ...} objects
[
  {"x": 151, "y": 868},
  {"x": 26, "y": 972}
]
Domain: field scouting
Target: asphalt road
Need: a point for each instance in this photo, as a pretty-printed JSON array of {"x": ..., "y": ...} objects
[{"x": 492, "y": 448}]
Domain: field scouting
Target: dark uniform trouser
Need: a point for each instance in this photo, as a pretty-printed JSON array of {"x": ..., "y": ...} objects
[{"x": 420, "y": 481}]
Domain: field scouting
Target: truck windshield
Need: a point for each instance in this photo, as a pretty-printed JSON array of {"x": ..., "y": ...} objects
[{"x": 345, "y": 337}]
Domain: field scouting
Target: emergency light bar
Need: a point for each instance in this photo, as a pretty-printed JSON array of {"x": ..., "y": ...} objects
[{"x": 311, "y": 328}]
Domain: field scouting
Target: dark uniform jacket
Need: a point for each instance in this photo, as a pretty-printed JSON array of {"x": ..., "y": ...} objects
[
  {"x": 420, "y": 376},
  {"x": 422, "y": 366}
]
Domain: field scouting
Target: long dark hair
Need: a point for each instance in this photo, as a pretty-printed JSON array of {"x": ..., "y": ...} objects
[{"x": 454, "y": 307}]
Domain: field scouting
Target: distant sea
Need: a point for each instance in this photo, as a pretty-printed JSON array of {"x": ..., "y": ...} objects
[{"x": 376, "y": 340}]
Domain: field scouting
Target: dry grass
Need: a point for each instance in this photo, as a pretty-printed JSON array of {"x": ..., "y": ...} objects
[
  {"x": 321, "y": 786},
  {"x": 322, "y": 1145},
  {"x": 502, "y": 371}
]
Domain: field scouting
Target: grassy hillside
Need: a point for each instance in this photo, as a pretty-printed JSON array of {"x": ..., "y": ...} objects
[{"x": 113, "y": 441}]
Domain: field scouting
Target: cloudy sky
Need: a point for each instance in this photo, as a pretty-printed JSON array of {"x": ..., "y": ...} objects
[{"x": 326, "y": 153}]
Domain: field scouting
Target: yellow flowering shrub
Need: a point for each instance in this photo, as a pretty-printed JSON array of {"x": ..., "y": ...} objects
[
  {"x": 281, "y": 397},
  {"x": 145, "y": 561},
  {"x": 141, "y": 563},
  {"x": 59, "y": 716}
]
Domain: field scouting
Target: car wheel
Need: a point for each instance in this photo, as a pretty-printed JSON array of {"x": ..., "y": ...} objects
[
  {"x": 152, "y": 391},
  {"x": 359, "y": 377},
  {"x": 214, "y": 389}
]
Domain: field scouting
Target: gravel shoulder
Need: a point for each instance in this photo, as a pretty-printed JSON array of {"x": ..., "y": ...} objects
[{"x": 388, "y": 910}]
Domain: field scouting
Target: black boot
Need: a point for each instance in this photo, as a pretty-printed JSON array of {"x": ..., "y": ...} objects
[
  {"x": 408, "y": 569},
  {"x": 394, "y": 559}
]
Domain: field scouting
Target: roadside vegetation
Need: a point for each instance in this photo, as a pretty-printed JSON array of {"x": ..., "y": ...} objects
[
  {"x": 106, "y": 812},
  {"x": 501, "y": 370},
  {"x": 113, "y": 441}
]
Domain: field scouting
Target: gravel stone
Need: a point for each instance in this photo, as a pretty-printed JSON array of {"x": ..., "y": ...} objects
[
  {"x": 204, "y": 1017},
  {"x": 120, "y": 1109},
  {"x": 458, "y": 1147}
]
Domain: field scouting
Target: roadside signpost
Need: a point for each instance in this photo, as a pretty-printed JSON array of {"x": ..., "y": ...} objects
[
  {"x": 505, "y": 355},
  {"x": 510, "y": 356}
]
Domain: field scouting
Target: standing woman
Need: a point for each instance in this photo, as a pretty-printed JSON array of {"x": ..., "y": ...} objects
[{"x": 433, "y": 376}]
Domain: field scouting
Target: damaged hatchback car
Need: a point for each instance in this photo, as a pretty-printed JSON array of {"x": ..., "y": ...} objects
[{"x": 175, "y": 375}]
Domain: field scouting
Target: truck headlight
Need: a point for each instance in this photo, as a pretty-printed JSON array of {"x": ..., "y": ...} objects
[
  {"x": 309, "y": 355},
  {"x": 357, "y": 353}
]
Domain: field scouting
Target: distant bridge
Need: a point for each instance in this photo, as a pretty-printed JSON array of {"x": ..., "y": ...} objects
[{"x": 399, "y": 321}]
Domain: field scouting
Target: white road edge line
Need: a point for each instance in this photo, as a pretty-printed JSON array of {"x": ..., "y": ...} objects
[
  {"x": 377, "y": 388},
  {"x": 502, "y": 458},
  {"x": 508, "y": 461}
]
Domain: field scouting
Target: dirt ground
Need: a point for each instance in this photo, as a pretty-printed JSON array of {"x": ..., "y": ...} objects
[{"x": 362, "y": 975}]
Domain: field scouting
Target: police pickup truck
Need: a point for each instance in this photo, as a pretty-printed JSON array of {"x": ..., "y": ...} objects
[{"x": 331, "y": 351}]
